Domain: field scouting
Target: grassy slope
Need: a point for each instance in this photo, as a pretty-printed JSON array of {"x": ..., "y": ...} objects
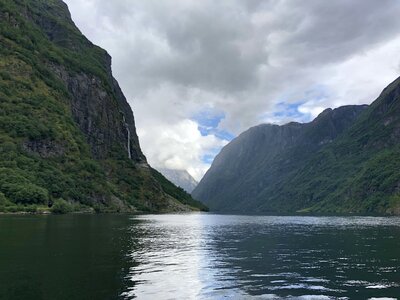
[
  {"x": 34, "y": 106},
  {"x": 358, "y": 173}
]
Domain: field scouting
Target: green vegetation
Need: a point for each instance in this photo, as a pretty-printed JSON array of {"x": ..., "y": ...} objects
[
  {"x": 61, "y": 206},
  {"x": 359, "y": 172},
  {"x": 44, "y": 156}
]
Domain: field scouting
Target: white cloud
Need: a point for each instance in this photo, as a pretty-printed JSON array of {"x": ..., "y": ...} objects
[
  {"x": 244, "y": 58},
  {"x": 178, "y": 146}
]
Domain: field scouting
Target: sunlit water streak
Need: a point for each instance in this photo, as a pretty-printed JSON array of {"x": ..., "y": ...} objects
[{"x": 203, "y": 256}]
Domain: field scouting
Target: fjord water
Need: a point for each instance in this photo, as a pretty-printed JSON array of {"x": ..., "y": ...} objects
[{"x": 198, "y": 256}]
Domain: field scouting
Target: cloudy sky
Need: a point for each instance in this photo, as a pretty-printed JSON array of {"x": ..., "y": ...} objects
[{"x": 199, "y": 72}]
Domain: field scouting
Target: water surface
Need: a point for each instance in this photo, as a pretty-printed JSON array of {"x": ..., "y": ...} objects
[{"x": 198, "y": 256}]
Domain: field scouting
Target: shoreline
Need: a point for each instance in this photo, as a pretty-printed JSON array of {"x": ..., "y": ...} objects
[{"x": 93, "y": 212}]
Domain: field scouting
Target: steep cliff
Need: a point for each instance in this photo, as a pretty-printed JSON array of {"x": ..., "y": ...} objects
[
  {"x": 346, "y": 161},
  {"x": 67, "y": 133},
  {"x": 250, "y": 171}
]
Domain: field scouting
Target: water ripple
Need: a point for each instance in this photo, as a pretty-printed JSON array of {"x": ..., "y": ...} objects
[{"x": 204, "y": 256}]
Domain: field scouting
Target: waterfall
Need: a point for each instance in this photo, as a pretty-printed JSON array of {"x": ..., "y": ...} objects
[{"x": 129, "y": 137}]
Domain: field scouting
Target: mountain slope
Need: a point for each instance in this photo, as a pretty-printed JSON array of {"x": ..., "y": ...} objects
[
  {"x": 346, "y": 160},
  {"x": 265, "y": 155},
  {"x": 180, "y": 178},
  {"x": 66, "y": 129}
]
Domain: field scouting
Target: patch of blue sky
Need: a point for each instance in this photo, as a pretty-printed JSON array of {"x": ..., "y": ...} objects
[
  {"x": 223, "y": 135},
  {"x": 208, "y": 123},
  {"x": 208, "y": 158},
  {"x": 289, "y": 109}
]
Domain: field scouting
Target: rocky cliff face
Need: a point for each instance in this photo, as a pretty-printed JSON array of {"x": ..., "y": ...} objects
[
  {"x": 106, "y": 121},
  {"x": 65, "y": 122},
  {"x": 97, "y": 104}
]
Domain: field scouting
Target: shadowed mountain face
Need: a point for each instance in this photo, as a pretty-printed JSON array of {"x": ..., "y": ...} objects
[
  {"x": 180, "y": 178},
  {"x": 66, "y": 129},
  {"x": 346, "y": 160}
]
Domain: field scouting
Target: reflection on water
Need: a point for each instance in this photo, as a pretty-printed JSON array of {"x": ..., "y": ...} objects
[
  {"x": 246, "y": 257},
  {"x": 199, "y": 256}
]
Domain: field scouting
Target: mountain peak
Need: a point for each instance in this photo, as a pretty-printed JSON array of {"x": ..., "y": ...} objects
[{"x": 180, "y": 178}]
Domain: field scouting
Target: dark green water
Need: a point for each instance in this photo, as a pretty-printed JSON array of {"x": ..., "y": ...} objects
[{"x": 198, "y": 256}]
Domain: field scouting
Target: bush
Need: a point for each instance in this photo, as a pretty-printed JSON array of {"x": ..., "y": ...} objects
[
  {"x": 26, "y": 193},
  {"x": 3, "y": 200},
  {"x": 31, "y": 209},
  {"x": 4, "y": 203},
  {"x": 61, "y": 206},
  {"x": 13, "y": 209}
]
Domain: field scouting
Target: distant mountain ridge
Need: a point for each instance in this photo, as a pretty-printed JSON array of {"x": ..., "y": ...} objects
[
  {"x": 345, "y": 161},
  {"x": 180, "y": 178}
]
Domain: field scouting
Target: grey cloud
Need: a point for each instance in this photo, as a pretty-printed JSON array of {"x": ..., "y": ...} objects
[
  {"x": 217, "y": 45},
  {"x": 206, "y": 52},
  {"x": 242, "y": 57},
  {"x": 334, "y": 30}
]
